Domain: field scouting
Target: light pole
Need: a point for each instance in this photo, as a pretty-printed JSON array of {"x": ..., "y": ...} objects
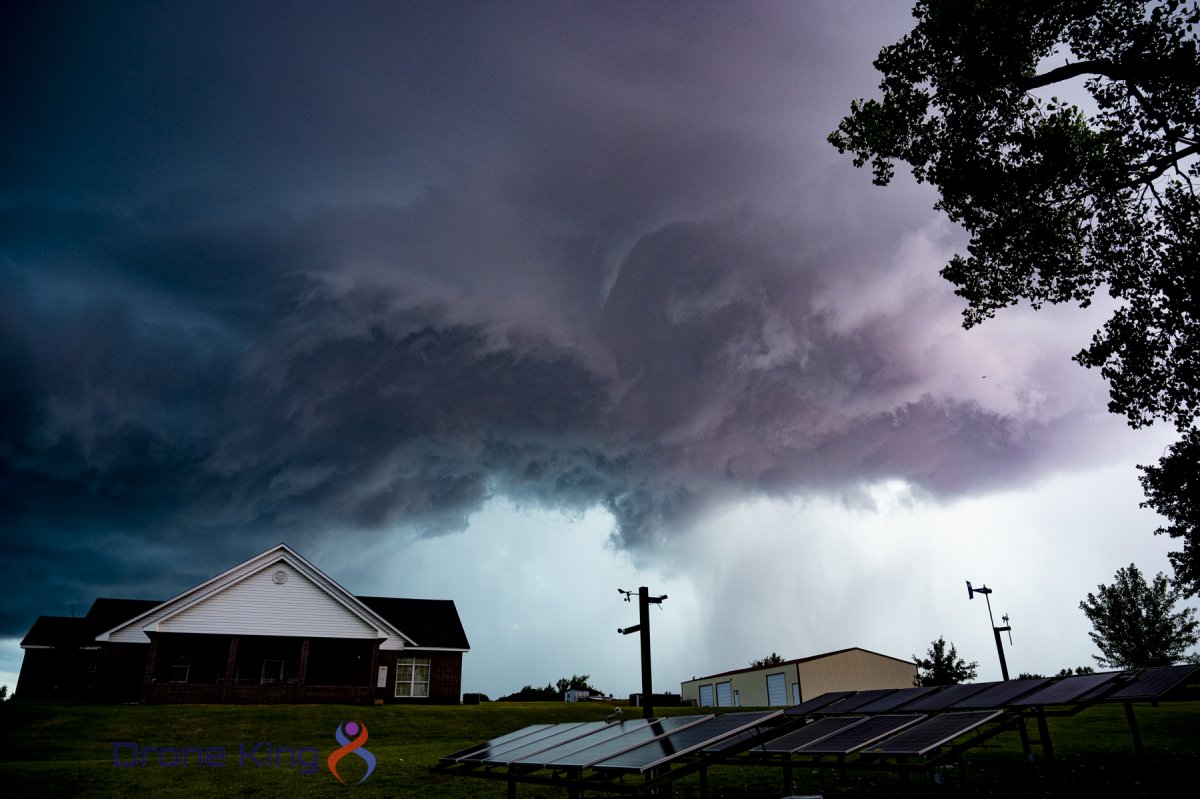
[
  {"x": 983, "y": 589},
  {"x": 643, "y": 626}
]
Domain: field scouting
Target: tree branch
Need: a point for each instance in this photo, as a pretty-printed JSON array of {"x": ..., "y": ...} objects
[
  {"x": 1176, "y": 69},
  {"x": 1099, "y": 66},
  {"x": 1160, "y": 165}
]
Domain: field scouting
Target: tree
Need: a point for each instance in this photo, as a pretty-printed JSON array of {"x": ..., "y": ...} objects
[
  {"x": 1060, "y": 204},
  {"x": 1135, "y": 624},
  {"x": 576, "y": 682},
  {"x": 943, "y": 667},
  {"x": 1078, "y": 671},
  {"x": 770, "y": 660}
]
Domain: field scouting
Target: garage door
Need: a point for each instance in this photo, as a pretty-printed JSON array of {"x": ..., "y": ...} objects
[
  {"x": 724, "y": 694},
  {"x": 776, "y": 690}
]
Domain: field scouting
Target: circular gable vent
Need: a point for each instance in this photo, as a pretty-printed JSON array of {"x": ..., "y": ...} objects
[{"x": 280, "y": 577}]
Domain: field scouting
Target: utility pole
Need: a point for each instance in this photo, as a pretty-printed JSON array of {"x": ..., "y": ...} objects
[{"x": 643, "y": 627}]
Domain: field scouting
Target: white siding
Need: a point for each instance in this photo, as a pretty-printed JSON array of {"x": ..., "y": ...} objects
[{"x": 258, "y": 606}]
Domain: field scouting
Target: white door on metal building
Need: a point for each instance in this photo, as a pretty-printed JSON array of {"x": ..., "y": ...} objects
[
  {"x": 795, "y": 693},
  {"x": 776, "y": 690},
  {"x": 706, "y": 695}
]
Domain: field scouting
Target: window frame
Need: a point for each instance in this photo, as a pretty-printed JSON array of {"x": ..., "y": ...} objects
[
  {"x": 280, "y": 673},
  {"x": 412, "y": 666}
]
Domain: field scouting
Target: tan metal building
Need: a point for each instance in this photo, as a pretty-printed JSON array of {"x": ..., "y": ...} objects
[{"x": 794, "y": 681}]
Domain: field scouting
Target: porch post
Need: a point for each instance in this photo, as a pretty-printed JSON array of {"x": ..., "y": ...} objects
[
  {"x": 147, "y": 693},
  {"x": 230, "y": 668},
  {"x": 302, "y": 677},
  {"x": 373, "y": 689}
]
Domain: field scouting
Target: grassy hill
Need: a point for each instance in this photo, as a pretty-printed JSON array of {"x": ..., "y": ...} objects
[{"x": 62, "y": 750}]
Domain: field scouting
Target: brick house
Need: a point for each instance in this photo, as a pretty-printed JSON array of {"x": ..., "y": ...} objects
[{"x": 272, "y": 629}]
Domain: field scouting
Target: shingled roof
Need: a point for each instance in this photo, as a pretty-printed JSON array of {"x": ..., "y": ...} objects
[
  {"x": 56, "y": 632},
  {"x": 429, "y": 623}
]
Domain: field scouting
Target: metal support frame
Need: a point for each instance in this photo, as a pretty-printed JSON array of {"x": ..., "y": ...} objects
[{"x": 643, "y": 627}]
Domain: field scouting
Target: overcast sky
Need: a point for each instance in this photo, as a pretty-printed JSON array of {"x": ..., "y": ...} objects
[{"x": 515, "y": 305}]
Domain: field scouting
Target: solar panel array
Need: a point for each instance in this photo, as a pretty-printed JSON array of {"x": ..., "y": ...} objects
[
  {"x": 876, "y": 723},
  {"x": 634, "y": 746},
  {"x": 1145, "y": 684}
]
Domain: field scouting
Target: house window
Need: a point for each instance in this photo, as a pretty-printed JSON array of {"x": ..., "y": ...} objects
[
  {"x": 280, "y": 671},
  {"x": 180, "y": 666},
  {"x": 412, "y": 677}
]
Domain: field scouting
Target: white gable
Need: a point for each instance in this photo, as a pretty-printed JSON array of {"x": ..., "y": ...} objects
[
  {"x": 275, "y": 600},
  {"x": 274, "y": 593}
]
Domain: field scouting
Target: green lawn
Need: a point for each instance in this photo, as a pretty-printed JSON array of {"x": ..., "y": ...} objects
[{"x": 52, "y": 749}]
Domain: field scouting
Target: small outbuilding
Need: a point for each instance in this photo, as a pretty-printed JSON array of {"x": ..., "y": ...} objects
[{"x": 791, "y": 682}]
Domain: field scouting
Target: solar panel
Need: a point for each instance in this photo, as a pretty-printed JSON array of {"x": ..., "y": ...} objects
[
  {"x": 544, "y": 757},
  {"x": 810, "y": 733},
  {"x": 737, "y": 741},
  {"x": 817, "y": 702},
  {"x": 932, "y": 733},
  {"x": 507, "y": 738},
  {"x": 894, "y": 700},
  {"x": 872, "y": 729},
  {"x": 1154, "y": 683},
  {"x": 603, "y": 749},
  {"x": 1000, "y": 694},
  {"x": 1067, "y": 690},
  {"x": 945, "y": 696},
  {"x": 509, "y": 754},
  {"x": 689, "y": 739},
  {"x": 853, "y": 702}
]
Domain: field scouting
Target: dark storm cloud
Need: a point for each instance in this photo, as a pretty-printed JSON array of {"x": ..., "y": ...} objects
[{"x": 276, "y": 271}]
